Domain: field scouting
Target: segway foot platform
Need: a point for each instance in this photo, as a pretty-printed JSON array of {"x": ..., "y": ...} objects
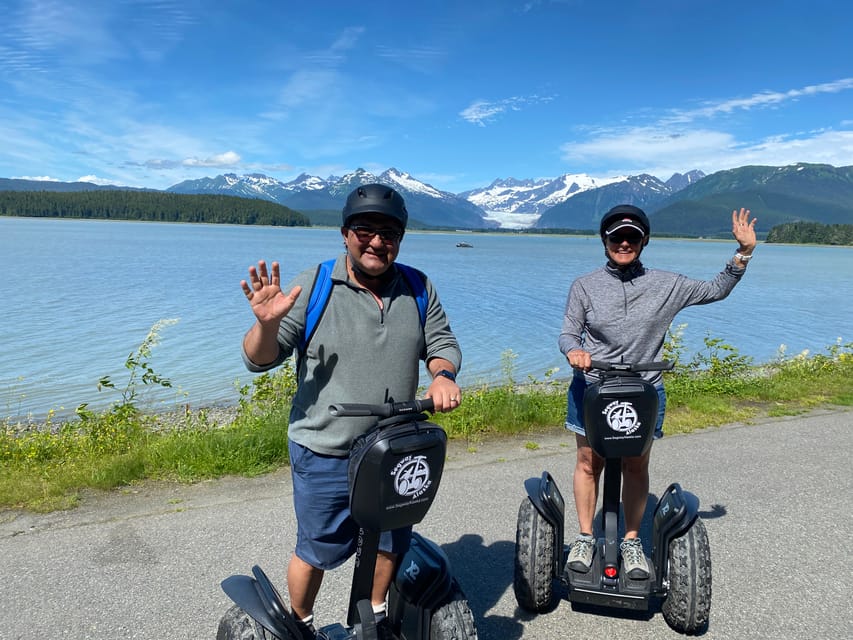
[{"x": 593, "y": 588}]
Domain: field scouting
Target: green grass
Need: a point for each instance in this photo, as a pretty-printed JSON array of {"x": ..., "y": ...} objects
[{"x": 53, "y": 467}]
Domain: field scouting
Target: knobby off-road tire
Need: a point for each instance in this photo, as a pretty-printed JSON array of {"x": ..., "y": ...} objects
[
  {"x": 687, "y": 606},
  {"x": 236, "y": 624},
  {"x": 453, "y": 620},
  {"x": 533, "y": 580}
]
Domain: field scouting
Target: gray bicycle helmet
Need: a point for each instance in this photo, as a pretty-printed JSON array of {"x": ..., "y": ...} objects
[{"x": 375, "y": 198}]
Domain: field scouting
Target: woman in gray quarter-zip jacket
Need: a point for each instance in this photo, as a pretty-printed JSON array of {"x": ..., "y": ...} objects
[{"x": 622, "y": 311}]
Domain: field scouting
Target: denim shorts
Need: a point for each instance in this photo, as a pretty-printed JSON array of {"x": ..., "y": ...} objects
[
  {"x": 574, "y": 411},
  {"x": 326, "y": 534}
]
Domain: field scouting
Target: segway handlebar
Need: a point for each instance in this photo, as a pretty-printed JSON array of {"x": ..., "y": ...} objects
[
  {"x": 661, "y": 365},
  {"x": 387, "y": 410}
]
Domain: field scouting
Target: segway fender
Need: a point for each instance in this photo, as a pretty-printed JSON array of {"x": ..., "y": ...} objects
[
  {"x": 547, "y": 499},
  {"x": 422, "y": 584},
  {"x": 261, "y": 601},
  {"x": 423, "y": 578},
  {"x": 549, "y": 502},
  {"x": 675, "y": 513}
]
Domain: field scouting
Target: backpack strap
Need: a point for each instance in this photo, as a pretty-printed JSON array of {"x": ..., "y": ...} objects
[
  {"x": 321, "y": 291},
  {"x": 416, "y": 284}
]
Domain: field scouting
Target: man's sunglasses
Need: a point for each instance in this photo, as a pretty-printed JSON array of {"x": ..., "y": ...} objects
[
  {"x": 619, "y": 238},
  {"x": 366, "y": 234}
]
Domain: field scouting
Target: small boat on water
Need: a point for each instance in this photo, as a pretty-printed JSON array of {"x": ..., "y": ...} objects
[{"x": 465, "y": 245}]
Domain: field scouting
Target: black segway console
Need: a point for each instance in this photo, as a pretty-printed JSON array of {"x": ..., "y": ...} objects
[
  {"x": 620, "y": 415},
  {"x": 620, "y": 412},
  {"x": 395, "y": 470}
]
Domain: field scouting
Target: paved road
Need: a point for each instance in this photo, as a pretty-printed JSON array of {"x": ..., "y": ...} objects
[{"x": 776, "y": 499}]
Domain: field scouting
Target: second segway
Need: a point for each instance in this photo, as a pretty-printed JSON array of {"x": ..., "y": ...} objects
[{"x": 620, "y": 412}]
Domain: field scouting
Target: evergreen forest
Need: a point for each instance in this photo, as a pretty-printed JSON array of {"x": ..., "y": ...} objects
[
  {"x": 155, "y": 206},
  {"x": 812, "y": 233}
]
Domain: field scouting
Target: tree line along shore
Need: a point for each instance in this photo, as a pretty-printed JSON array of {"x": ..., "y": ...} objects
[{"x": 159, "y": 206}]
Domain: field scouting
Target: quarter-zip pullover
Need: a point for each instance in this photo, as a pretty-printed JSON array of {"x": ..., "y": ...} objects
[
  {"x": 360, "y": 352},
  {"x": 624, "y": 314}
]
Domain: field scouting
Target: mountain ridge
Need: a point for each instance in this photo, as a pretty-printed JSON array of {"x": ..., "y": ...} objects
[{"x": 687, "y": 203}]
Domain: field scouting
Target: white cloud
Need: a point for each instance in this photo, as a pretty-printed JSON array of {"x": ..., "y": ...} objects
[
  {"x": 482, "y": 111},
  {"x": 37, "y": 178},
  {"x": 670, "y": 144},
  {"x": 96, "y": 180},
  {"x": 759, "y": 100},
  {"x": 227, "y": 159},
  {"x": 661, "y": 153}
]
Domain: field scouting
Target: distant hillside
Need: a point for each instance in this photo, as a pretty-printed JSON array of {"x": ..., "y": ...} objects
[
  {"x": 775, "y": 195},
  {"x": 17, "y": 184},
  {"x": 147, "y": 205}
]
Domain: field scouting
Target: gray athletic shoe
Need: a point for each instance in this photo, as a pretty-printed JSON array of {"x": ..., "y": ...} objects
[
  {"x": 580, "y": 553},
  {"x": 633, "y": 559}
]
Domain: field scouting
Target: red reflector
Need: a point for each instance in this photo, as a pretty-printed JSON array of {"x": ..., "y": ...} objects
[{"x": 610, "y": 572}]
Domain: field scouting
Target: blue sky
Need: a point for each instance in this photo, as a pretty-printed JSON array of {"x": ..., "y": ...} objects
[{"x": 148, "y": 93}]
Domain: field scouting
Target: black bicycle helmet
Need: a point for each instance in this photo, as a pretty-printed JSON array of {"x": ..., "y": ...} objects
[
  {"x": 628, "y": 215},
  {"x": 375, "y": 198}
]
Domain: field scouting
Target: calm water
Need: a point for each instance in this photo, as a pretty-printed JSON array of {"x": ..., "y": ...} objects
[{"x": 79, "y": 296}]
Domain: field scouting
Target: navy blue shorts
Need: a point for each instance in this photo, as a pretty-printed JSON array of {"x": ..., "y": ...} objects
[
  {"x": 326, "y": 534},
  {"x": 574, "y": 411}
]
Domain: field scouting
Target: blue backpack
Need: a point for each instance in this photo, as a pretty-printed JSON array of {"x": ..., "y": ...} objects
[{"x": 321, "y": 290}]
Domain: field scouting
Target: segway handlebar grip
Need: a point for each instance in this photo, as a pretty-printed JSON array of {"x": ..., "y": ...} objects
[
  {"x": 387, "y": 410},
  {"x": 661, "y": 365}
]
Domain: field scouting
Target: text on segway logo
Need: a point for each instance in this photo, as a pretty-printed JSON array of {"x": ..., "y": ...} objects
[
  {"x": 622, "y": 417},
  {"x": 411, "y": 476}
]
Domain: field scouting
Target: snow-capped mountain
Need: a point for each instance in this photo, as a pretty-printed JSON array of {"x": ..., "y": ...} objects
[
  {"x": 679, "y": 181},
  {"x": 522, "y": 203},
  {"x": 528, "y": 196},
  {"x": 583, "y": 209},
  {"x": 568, "y": 201},
  {"x": 252, "y": 185},
  {"x": 425, "y": 203}
]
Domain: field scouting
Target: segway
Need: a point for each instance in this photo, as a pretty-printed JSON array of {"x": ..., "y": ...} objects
[
  {"x": 620, "y": 412},
  {"x": 394, "y": 474}
]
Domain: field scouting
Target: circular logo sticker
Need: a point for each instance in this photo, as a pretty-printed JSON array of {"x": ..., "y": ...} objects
[
  {"x": 411, "y": 476},
  {"x": 622, "y": 417}
]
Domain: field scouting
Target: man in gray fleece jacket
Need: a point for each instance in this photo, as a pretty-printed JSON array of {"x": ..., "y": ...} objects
[
  {"x": 621, "y": 312},
  {"x": 366, "y": 347}
]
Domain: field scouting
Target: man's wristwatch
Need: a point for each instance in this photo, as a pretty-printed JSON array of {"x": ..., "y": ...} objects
[
  {"x": 447, "y": 374},
  {"x": 742, "y": 257}
]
